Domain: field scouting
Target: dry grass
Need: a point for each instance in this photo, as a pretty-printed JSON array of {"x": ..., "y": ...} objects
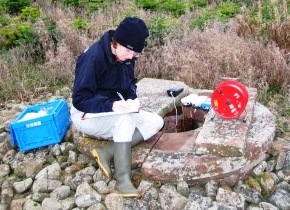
[{"x": 201, "y": 58}]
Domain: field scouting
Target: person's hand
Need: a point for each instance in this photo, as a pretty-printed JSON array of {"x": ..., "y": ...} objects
[
  {"x": 120, "y": 106},
  {"x": 134, "y": 104},
  {"x": 126, "y": 106}
]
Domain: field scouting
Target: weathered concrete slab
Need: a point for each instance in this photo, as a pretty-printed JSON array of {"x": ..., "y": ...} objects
[
  {"x": 226, "y": 137},
  {"x": 173, "y": 158},
  {"x": 141, "y": 151},
  {"x": 153, "y": 95}
]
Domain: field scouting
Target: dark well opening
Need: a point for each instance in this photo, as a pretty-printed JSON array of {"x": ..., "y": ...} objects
[{"x": 183, "y": 118}]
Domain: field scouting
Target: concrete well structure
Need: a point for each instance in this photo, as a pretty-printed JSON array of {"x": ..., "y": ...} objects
[{"x": 221, "y": 149}]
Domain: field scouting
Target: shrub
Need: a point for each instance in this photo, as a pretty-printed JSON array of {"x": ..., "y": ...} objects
[
  {"x": 266, "y": 20},
  {"x": 199, "y": 3},
  {"x": 14, "y": 6},
  {"x": 80, "y": 24},
  {"x": 222, "y": 13},
  {"x": 30, "y": 13},
  {"x": 4, "y": 20},
  {"x": 147, "y": 4},
  {"x": 16, "y": 33},
  {"x": 175, "y": 7},
  {"x": 160, "y": 27}
]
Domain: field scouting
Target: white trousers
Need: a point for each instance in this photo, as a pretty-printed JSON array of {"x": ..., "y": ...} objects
[{"x": 119, "y": 127}]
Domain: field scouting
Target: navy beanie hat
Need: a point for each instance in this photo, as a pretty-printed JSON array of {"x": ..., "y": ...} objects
[{"x": 131, "y": 33}]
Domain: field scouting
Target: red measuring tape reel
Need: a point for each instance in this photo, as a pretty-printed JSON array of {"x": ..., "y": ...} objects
[{"x": 229, "y": 99}]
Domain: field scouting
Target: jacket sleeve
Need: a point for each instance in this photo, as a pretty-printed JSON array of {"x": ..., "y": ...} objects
[{"x": 85, "y": 92}]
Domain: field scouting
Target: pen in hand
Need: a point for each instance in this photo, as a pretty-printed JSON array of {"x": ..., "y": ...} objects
[{"x": 121, "y": 97}]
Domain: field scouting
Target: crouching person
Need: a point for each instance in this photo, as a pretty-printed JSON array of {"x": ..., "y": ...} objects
[{"x": 105, "y": 85}]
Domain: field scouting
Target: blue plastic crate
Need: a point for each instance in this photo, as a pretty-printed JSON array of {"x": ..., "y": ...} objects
[{"x": 48, "y": 127}]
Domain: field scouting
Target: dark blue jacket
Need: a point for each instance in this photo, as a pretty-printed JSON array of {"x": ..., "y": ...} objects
[{"x": 98, "y": 78}]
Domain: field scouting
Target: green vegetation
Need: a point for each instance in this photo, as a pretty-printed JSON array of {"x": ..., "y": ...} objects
[
  {"x": 14, "y": 6},
  {"x": 16, "y": 33},
  {"x": 80, "y": 24}
]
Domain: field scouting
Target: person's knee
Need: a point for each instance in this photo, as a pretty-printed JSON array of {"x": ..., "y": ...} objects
[
  {"x": 159, "y": 122},
  {"x": 127, "y": 120}
]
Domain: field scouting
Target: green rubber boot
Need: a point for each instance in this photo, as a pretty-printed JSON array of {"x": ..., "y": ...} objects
[
  {"x": 136, "y": 138},
  {"x": 103, "y": 156},
  {"x": 122, "y": 162}
]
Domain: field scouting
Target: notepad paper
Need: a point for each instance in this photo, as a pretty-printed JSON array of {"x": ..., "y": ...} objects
[{"x": 134, "y": 108}]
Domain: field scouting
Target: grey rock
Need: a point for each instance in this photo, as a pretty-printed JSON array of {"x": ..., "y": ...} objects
[
  {"x": 182, "y": 188},
  {"x": 66, "y": 147},
  {"x": 4, "y": 206},
  {"x": 68, "y": 203},
  {"x": 52, "y": 171},
  {"x": 281, "y": 199},
  {"x": 22, "y": 186},
  {"x": 168, "y": 188},
  {"x": 4, "y": 170},
  {"x": 5, "y": 146},
  {"x": 223, "y": 206},
  {"x": 283, "y": 185},
  {"x": 19, "y": 168},
  {"x": 271, "y": 164},
  {"x": 99, "y": 176},
  {"x": 61, "y": 192},
  {"x": 31, "y": 205},
  {"x": 88, "y": 171},
  {"x": 259, "y": 168},
  {"x": 84, "y": 189},
  {"x": 286, "y": 165},
  {"x": 72, "y": 157},
  {"x": 154, "y": 205},
  {"x": 8, "y": 182},
  {"x": 253, "y": 207},
  {"x": 17, "y": 204},
  {"x": 268, "y": 206},
  {"x": 144, "y": 186},
  {"x": 101, "y": 187},
  {"x": 77, "y": 180},
  {"x": 140, "y": 205},
  {"x": 33, "y": 167},
  {"x": 98, "y": 206},
  {"x": 51, "y": 204},
  {"x": 39, "y": 196},
  {"x": 249, "y": 194},
  {"x": 9, "y": 156},
  {"x": 7, "y": 195},
  {"x": 164, "y": 200},
  {"x": 211, "y": 188},
  {"x": 87, "y": 200},
  {"x": 114, "y": 201},
  {"x": 196, "y": 192},
  {"x": 151, "y": 194},
  {"x": 193, "y": 205},
  {"x": 284, "y": 175},
  {"x": 230, "y": 198},
  {"x": 55, "y": 150},
  {"x": 201, "y": 203},
  {"x": 45, "y": 185},
  {"x": 281, "y": 160}
]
